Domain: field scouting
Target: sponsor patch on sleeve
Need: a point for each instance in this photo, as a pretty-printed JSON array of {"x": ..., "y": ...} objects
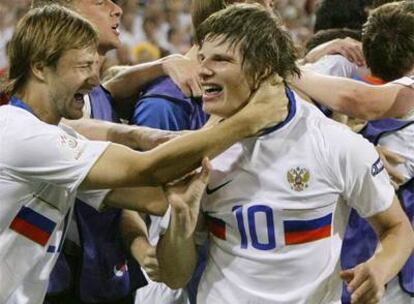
[{"x": 377, "y": 167}]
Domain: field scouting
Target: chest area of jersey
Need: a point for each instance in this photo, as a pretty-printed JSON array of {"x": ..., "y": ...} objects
[{"x": 269, "y": 199}]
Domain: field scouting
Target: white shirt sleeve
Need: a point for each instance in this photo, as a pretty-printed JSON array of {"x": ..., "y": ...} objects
[
  {"x": 94, "y": 198},
  {"x": 333, "y": 65},
  {"x": 364, "y": 181},
  {"x": 46, "y": 153},
  {"x": 405, "y": 81}
]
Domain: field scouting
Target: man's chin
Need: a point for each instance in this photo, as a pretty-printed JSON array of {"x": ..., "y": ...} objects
[{"x": 73, "y": 116}]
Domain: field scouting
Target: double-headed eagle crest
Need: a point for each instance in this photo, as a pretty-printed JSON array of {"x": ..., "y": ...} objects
[{"x": 298, "y": 178}]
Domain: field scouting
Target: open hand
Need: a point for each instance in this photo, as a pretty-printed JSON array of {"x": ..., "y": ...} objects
[
  {"x": 268, "y": 105},
  {"x": 185, "y": 195},
  {"x": 184, "y": 72},
  {"x": 365, "y": 283}
]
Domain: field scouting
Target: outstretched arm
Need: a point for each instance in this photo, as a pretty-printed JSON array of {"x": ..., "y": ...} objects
[
  {"x": 150, "y": 200},
  {"x": 354, "y": 98},
  {"x": 137, "y": 138},
  {"x": 126, "y": 84},
  {"x": 122, "y": 167}
]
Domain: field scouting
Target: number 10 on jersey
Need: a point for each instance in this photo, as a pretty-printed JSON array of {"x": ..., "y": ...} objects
[{"x": 248, "y": 229}]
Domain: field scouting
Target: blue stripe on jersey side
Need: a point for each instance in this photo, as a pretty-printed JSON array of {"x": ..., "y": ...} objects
[
  {"x": 305, "y": 225},
  {"x": 36, "y": 219}
]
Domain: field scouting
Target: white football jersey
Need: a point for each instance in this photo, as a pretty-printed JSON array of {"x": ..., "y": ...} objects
[
  {"x": 41, "y": 167},
  {"x": 276, "y": 208}
]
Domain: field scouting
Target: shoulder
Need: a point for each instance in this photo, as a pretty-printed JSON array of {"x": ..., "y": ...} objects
[{"x": 334, "y": 140}]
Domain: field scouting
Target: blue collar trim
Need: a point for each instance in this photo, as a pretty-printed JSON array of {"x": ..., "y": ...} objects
[
  {"x": 292, "y": 111},
  {"x": 14, "y": 101}
]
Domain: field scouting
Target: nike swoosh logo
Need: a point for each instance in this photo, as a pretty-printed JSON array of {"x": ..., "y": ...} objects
[{"x": 211, "y": 191}]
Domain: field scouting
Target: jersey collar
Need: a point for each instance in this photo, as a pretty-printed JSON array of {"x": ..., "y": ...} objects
[
  {"x": 291, "y": 114},
  {"x": 14, "y": 101}
]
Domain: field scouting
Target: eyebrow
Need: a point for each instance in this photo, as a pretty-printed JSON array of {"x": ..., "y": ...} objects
[{"x": 85, "y": 62}]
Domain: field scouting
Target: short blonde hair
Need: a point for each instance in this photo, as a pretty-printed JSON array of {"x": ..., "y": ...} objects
[
  {"x": 43, "y": 35},
  {"x": 41, "y": 3}
]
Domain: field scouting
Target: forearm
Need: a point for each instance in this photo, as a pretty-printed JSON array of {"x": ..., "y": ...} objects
[
  {"x": 137, "y": 138},
  {"x": 179, "y": 156},
  {"x": 387, "y": 258},
  {"x": 130, "y": 81},
  {"x": 347, "y": 96},
  {"x": 177, "y": 253},
  {"x": 133, "y": 230},
  {"x": 150, "y": 200}
]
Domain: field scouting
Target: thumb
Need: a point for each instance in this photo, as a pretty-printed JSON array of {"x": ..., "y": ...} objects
[
  {"x": 200, "y": 180},
  {"x": 347, "y": 275}
]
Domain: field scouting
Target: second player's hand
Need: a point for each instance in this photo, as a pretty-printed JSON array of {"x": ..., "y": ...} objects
[
  {"x": 268, "y": 105},
  {"x": 184, "y": 197},
  {"x": 347, "y": 47},
  {"x": 390, "y": 160},
  {"x": 365, "y": 283},
  {"x": 184, "y": 72},
  {"x": 146, "y": 255}
]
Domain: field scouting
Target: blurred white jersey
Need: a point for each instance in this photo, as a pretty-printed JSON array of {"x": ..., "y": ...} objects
[
  {"x": 41, "y": 167},
  {"x": 277, "y": 206}
]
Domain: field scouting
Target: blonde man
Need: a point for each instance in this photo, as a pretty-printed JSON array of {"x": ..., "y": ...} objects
[{"x": 52, "y": 62}]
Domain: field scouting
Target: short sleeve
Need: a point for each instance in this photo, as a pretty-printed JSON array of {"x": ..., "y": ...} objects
[
  {"x": 93, "y": 198},
  {"x": 37, "y": 151},
  {"x": 366, "y": 184},
  {"x": 333, "y": 65},
  {"x": 405, "y": 81}
]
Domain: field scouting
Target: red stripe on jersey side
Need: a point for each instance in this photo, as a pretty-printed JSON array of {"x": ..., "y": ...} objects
[
  {"x": 217, "y": 227},
  {"x": 30, "y": 231},
  {"x": 300, "y": 237}
]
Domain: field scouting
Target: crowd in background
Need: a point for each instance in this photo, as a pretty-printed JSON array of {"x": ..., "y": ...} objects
[{"x": 151, "y": 29}]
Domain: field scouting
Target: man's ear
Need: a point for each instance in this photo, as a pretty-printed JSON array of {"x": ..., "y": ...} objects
[{"x": 38, "y": 70}]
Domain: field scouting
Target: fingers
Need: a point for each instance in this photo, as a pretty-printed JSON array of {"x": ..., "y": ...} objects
[
  {"x": 361, "y": 294},
  {"x": 184, "y": 72},
  {"x": 346, "y": 275},
  {"x": 396, "y": 177},
  {"x": 195, "y": 87},
  {"x": 391, "y": 156},
  {"x": 357, "y": 280},
  {"x": 364, "y": 284},
  {"x": 149, "y": 263},
  {"x": 352, "y": 50},
  {"x": 390, "y": 159}
]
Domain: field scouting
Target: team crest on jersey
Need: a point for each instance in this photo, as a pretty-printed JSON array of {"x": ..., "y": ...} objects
[{"x": 298, "y": 178}]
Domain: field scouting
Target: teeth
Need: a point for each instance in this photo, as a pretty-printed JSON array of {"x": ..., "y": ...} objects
[{"x": 211, "y": 88}]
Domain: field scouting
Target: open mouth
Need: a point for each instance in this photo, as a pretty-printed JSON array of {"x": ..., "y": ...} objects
[
  {"x": 115, "y": 28},
  {"x": 79, "y": 98},
  {"x": 211, "y": 90}
]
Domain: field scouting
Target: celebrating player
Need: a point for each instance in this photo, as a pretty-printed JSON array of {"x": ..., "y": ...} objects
[
  {"x": 52, "y": 57},
  {"x": 277, "y": 204}
]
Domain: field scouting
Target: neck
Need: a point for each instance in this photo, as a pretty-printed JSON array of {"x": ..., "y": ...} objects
[{"x": 37, "y": 98}]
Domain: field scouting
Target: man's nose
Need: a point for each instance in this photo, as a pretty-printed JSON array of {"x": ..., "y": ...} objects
[
  {"x": 205, "y": 71},
  {"x": 116, "y": 10}
]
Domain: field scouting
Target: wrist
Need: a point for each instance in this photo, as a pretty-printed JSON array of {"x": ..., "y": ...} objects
[
  {"x": 139, "y": 247},
  {"x": 242, "y": 125}
]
